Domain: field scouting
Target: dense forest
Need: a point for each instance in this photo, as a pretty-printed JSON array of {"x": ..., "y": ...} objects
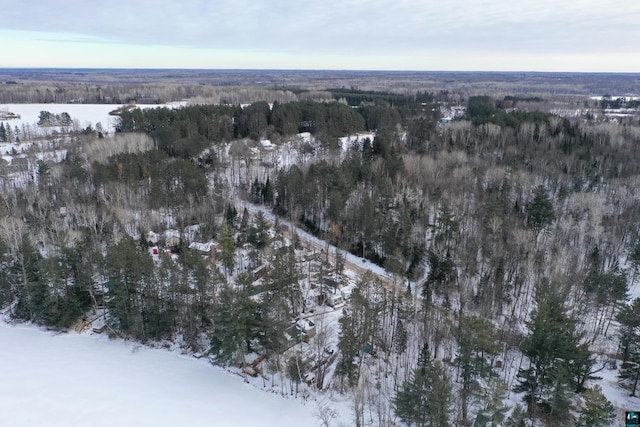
[{"x": 510, "y": 239}]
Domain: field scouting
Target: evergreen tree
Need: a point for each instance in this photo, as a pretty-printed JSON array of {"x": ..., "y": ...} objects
[
  {"x": 629, "y": 319},
  {"x": 230, "y": 214},
  {"x": 228, "y": 248},
  {"x": 540, "y": 211},
  {"x": 517, "y": 417},
  {"x": 607, "y": 292},
  {"x": 597, "y": 410},
  {"x": 266, "y": 193},
  {"x": 425, "y": 399},
  {"x": 234, "y": 324},
  {"x": 65, "y": 277},
  {"x": 272, "y": 324},
  {"x": 559, "y": 360},
  {"x": 32, "y": 292},
  {"x": 476, "y": 345},
  {"x": 11, "y": 137},
  {"x": 401, "y": 338},
  {"x": 634, "y": 255},
  {"x": 447, "y": 226},
  {"x": 262, "y": 226},
  {"x": 283, "y": 279},
  {"x": 493, "y": 411},
  {"x": 6, "y": 290},
  {"x": 129, "y": 269},
  {"x": 348, "y": 344},
  {"x": 359, "y": 327}
]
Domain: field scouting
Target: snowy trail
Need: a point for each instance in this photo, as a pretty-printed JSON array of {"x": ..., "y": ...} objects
[
  {"x": 358, "y": 265},
  {"x": 87, "y": 380}
]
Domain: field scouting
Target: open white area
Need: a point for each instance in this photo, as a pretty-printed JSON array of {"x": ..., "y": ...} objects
[
  {"x": 83, "y": 115},
  {"x": 88, "y": 380}
]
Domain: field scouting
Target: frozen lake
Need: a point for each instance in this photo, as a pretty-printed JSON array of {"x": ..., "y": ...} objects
[
  {"x": 83, "y": 114},
  {"x": 89, "y": 380}
]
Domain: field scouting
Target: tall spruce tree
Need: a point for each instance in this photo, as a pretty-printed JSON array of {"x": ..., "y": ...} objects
[{"x": 540, "y": 211}]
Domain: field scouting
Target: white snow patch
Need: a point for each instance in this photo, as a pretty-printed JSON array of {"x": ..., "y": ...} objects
[
  {"x": 82, "y": 114},
  {"x": 72, "y": 379}
]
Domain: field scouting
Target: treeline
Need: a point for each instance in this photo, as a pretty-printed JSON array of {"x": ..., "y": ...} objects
[
  {"x": 608, "y": 102},
  {"x": 186, "y": 131},
  {"x": 136, "y": 91}
]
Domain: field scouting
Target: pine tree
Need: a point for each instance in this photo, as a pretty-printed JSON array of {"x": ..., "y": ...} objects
[
  {"x": 274, "y": 319},
  {"x": 597, "y": 410},
  {"x": 425, "y": 399},
  {"x": 476, "y": 345},
  {"x": 559, "y": 360},
  {"x": 129, "y": 269},
  {"x": 629, "y": 318},
  {"x": 32, "y": 292},
  {"x": 234, "y": 324}
]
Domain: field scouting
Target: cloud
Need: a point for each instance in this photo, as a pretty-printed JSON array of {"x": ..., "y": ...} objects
[{"x": 343, "y": 27}]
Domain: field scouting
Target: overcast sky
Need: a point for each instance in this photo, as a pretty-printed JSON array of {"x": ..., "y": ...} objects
[{"x": 518, "y": 35}]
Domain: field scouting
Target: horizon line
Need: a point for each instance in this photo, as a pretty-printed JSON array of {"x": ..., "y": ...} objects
[{"x": 44, "y": 68}]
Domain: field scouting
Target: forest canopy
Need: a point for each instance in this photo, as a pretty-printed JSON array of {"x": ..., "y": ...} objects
[{"x": 494, "y": 230}]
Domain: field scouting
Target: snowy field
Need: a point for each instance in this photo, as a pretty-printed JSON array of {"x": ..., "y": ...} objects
[{"x": 88, "y": 380}]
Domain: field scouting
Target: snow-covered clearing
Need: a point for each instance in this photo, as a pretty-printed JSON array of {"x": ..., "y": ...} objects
[
  {"x": 618, "y": 397},
  {"x": 79, "y": 379}
]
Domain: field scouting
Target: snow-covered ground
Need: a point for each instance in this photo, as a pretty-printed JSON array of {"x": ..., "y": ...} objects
[
  {"x": 83, "y": 115},
  {"x": 618, "y": 397},
  {"x": 88, "y": 380}
]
